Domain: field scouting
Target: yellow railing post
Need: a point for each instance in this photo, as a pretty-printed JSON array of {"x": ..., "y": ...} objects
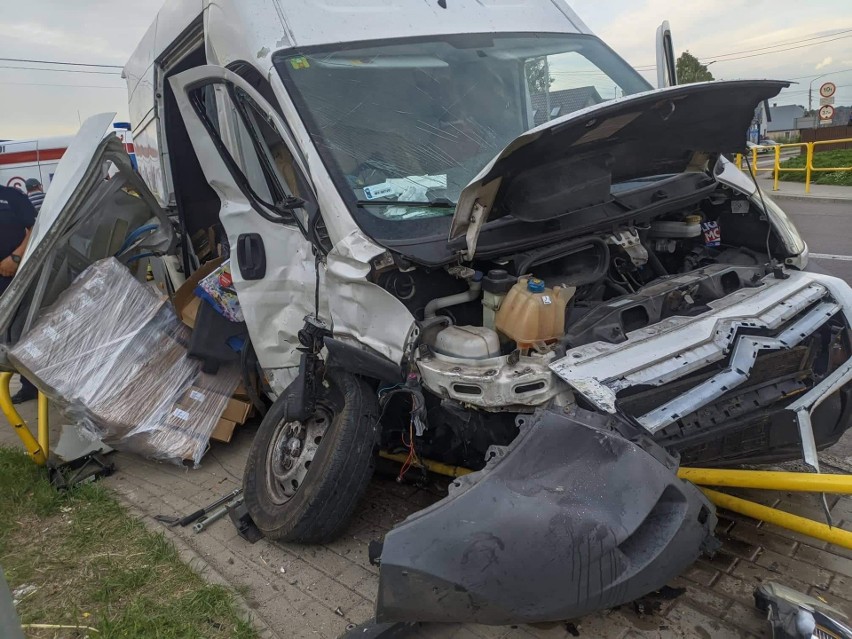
[
  {"x": 776, "y": 169},
  {"x": 35, "y": 450},
  {"x": 739, "y": 160},
  {"x": 43, "y": 427},
  {"x": 809, "y": 158}
]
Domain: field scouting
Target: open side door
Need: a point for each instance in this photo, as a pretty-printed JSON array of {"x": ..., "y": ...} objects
[
  {"x": 268, "y": 205},
  {"x": 97, "y": 206},
  {"x": 666, "y": 65}
]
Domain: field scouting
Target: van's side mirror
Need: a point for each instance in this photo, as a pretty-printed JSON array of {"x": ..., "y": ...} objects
[{"x": 666, "y": 65}]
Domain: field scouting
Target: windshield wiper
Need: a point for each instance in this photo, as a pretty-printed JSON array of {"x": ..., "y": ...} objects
[{"x": 437, "y": 203}]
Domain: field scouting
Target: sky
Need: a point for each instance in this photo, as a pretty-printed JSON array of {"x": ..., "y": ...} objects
[{"x": 782, "y": 39}]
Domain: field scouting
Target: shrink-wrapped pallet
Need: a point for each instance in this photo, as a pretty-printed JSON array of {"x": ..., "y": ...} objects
[{"x": 111, "y": 353}]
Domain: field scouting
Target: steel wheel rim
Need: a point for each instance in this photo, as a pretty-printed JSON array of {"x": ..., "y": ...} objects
[{"x": 288, "y": 462}]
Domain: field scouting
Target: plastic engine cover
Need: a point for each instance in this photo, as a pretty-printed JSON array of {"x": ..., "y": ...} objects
[{"x": 468, "y": 342}]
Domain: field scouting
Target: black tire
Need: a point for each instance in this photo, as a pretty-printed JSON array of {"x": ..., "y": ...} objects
[{"x": 337, "y": 474}]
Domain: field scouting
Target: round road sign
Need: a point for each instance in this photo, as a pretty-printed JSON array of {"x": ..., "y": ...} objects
[
  {"x": 828, "y": 89},
  {"x": 826, "y": 112}
]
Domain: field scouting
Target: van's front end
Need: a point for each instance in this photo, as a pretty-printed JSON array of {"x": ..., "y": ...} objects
[{"x": 507, "y": 187}]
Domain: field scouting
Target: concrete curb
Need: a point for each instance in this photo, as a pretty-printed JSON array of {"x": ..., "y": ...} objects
[
  {"x": 794, "y": 197},
  {"x": 202, "y": 568}
]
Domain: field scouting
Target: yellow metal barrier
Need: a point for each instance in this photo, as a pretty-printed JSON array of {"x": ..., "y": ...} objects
[
  {"x": 812, "y": 168},
  {"x": 38, "y": 449},
  {"x": 768, "y": 480},
  {"x": 776, "y": 168},
  {"x": 815, "y": 529}
]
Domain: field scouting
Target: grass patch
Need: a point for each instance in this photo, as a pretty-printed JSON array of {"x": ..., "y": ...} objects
[
  {"x": 94, "y": 565},
  {"x": 825, "y": 159}
]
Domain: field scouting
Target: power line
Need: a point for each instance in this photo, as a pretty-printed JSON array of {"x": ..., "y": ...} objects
[
  {"x": 3, "y": 66},
  {"x": 801, "y": 46},
  {"x": 781, "y": 44},
  {"x": 819, "y": 75},
  {"x": 785, "y": 92},
  {"x": 49, "y": 84},
  {"x": 64, "y": 63},
  {"x": 648, "y": 66}
]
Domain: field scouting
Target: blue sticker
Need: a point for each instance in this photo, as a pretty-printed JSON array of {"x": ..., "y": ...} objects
[{"x": 379, "y": 191}]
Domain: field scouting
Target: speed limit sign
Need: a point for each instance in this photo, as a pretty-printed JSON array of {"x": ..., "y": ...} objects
[
  {"x": 827, "y": 90},
  {"x": 826, "y": 112}
]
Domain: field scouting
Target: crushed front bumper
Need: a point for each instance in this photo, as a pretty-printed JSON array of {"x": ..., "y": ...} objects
[{"x": 569, "y": 519}]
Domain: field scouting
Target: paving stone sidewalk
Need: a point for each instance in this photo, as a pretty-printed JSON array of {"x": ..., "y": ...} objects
[{"x": 297, "y": 592}]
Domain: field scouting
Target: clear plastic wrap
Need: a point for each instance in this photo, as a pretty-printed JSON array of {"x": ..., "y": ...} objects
[{"x": 111, "y": 353}]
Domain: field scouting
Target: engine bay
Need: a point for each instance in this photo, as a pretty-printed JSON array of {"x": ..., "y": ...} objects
[{"x": 489, "y": 329}]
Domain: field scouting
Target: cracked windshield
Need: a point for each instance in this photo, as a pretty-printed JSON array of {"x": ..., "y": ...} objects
[{"x": 405, "y": 127}]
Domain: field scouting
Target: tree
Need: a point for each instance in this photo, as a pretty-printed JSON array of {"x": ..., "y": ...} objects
[
  {"x": 689, "y": 69},
  {"x": 537, "y": 76}
]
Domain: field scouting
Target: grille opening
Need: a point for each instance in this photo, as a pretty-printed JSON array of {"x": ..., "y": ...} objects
[
  {"x": 527, "y": 388},
  {"x": 467, "y": 389},
  {"x": 634, "y": 318},
  {"x": 730, "y": 282}
]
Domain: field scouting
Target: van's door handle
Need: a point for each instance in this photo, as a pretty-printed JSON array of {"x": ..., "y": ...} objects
[{"x": 251, "y": 256}]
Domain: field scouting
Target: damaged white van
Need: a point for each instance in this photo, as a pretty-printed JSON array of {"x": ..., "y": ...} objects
[{"x": 450, "y": 244}]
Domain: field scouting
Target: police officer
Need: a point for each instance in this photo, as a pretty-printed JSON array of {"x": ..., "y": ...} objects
[{"x": 17, "y": 216}]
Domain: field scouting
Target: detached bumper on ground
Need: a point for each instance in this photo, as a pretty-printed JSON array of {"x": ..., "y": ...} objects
[{"x": 570, "y": 519}]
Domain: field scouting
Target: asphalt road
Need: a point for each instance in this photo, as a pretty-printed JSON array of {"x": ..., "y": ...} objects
[{"x": 827, "y": 228}]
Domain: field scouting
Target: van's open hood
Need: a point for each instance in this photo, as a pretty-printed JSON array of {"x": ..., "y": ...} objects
[
  {"x": 94, "y": 202},
  {"x": 569, "y": 164}
]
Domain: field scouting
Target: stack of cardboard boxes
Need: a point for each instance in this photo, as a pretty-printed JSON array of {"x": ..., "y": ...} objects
[{"x": 238, "y": 408}]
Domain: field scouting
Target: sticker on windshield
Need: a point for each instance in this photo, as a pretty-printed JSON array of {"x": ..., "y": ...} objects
[
  {"x": 379, "y": 191},
  {"x": 300, "y": 62}
]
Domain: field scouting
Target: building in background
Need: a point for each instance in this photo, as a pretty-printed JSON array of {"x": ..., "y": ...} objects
[
  {"x": 550, "y": 105},
  {"x": 781, "y": 125}
]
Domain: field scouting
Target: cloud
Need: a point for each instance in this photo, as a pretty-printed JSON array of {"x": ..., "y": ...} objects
[
  {"x": 65, "y": 41},
  {"x": 826, "y": 61}
]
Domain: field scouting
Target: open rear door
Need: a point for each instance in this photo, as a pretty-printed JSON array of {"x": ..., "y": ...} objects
[
  {"x": 249, "y": 158},
  {"x": 97, "y": 206}
]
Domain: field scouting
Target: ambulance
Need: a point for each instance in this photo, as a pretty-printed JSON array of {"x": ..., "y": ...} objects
[{"x": 38, "y": 158}]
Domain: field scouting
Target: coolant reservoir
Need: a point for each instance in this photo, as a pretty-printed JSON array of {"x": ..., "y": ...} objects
[{"x": 533, "y": 313}]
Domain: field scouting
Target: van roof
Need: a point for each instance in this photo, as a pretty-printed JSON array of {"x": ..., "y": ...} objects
[{"x": 266, "y": 26}]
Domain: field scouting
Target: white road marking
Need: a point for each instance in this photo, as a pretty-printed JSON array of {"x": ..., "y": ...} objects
[{"x": 828, "y": 256}]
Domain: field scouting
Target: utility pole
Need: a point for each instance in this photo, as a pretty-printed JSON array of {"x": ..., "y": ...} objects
[{"x": 810, "y": 100}]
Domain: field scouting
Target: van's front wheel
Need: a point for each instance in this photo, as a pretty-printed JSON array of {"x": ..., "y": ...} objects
[{"x": 303, "y": 479}]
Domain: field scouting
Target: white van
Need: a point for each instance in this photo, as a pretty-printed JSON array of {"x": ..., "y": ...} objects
[{"x": 450, "y": 246}]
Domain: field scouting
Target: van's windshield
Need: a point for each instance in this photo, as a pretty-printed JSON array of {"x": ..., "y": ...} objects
[{"x": 404, "y": 126}]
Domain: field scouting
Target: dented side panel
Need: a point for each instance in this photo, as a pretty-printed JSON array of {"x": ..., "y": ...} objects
[{"x": 362, "y": 312}]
